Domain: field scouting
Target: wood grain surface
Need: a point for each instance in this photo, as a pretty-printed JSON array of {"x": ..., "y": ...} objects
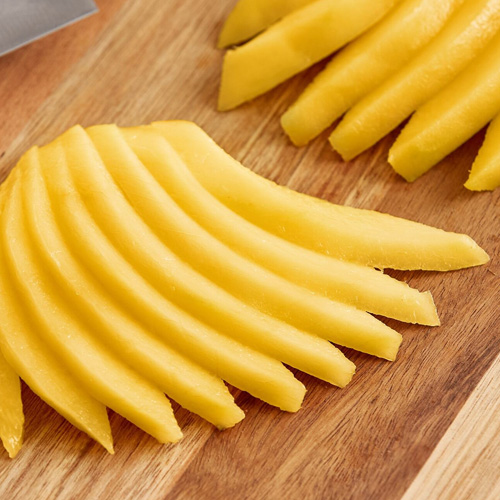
[{"x": 425, "y": 426}]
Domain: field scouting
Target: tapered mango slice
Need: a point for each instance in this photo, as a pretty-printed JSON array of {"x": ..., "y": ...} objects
[
  {"x": 454, "y": 115},
  {"x": 250, "y": 17},
  {"x": 192, "y": 387},
  {"x": 462, "y": 39},
  {"x": 364, "y": 64},
  {"x": 357, "y": 285},
  {"x": 75, "y": 198},
  {"x": 65, "y": 331},
  {"x": 362, "y": 236},
  {"x": 193, "y": 292},
  {"x": 485, "y": 173},
  {"x": 293, "y": 44},
  {"x": 32, "y": 360},
  {"x": 11, "y": 409}
]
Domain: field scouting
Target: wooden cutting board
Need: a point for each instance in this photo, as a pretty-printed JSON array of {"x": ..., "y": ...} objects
[{"x": 425, "y": 426}]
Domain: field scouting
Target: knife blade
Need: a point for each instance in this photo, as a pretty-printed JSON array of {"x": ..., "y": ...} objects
[{"x": 23, "y": 21}]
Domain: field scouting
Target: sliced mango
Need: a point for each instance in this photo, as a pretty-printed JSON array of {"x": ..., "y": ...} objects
[
  {"x": 462, "y": 39},
  {"x": 364, "y": 64},
  {"x": 250, "y": 17},
  {"x": 362, "y": 236},
  {"x": 64, "y": 330},
  {"x": 187, "y": 383},
  {"x": 11, "y": 409},
  {"x": 485, "y": 173},
  {"x": 454, "y": 115},
  {"x": 293, "y": 44},
  {"x": 76, "y": 196},
  {"x": 31, "y": 359},
  {"x": 357, "y": 285}
]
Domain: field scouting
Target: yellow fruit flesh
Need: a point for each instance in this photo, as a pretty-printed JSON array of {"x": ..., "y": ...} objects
[
  {"x": 244, "y": 279},
  {"x": 32, "y": 360},
  {"x": 11, "y": 409},
  {"x": 293, "y": 44},
  {"x": 250, "y": 17},
  {"x": 363, "y": 65},
  {"x": 362, "y": 236},
  {"x": 74, "y": 198},
  {"x": 454, "y": 115},
  {"x": 462, "y": 39},
  {"x": 192, "y": 387},
  {"x": 65, "y": 332},
  {"x": 180, "y": 284},
  {"x": 485, "y": 173},
  {"x": 357, "y": 285}
]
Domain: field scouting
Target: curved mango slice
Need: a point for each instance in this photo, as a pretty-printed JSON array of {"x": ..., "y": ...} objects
[
  {"x": 364, "y": 64},
  {"x": 362, "y": 236},
  {"x": 485, "y": 172},
  {"x": 11, "y": 409},
  {"x": 454, "y": 115},
  {"x": 353, "y": 284},
  {"x": 31, "y": 359},
  {"x": 462, "y": 39},
  {"x": 65, "y": 332},
  {"x": 301, "y": 39},
  {"x": 250, "y": 17},
  {"x": 72, "y": 197},
  {"x": 182, "y": 380}
]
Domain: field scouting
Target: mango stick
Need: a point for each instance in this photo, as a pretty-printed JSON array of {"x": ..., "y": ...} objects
[
  {"x": 454, "y": 115},
  {"x": 250, "y": 17},
  {"x": 296, "y": 42}
]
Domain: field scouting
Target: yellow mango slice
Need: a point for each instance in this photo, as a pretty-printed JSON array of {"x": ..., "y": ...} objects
[
  {"x": 357, "y": 285},
  {"x": 182, "y": 380},
  {"x": 485, "y": 173},
  {"x": 244, "y": 279},
  {"x": 11, "y": 409},
  {"x": 32, "y": 360},
  {"x": 180, "y": 284},
  {"x": 296, "y": 42},
  {"x": 358, "y": 235},
  {"x": 250, "y": 17},
  {"x": 463, "y": 38},
  {"x": 74, "y": 198},
  {"x": 65, "y": 332},
  {"x": 364, "y": 64},
  {"x": 454, "y": 115}
]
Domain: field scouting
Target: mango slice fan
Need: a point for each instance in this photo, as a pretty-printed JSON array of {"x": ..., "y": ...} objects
[
  {"x": 434, "y": 59},
  {"x": 144, "y": 262}
]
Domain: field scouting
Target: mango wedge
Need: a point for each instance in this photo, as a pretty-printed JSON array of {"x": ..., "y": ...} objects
[
  {"x": 11, "y": 409},
  {"x": 357, "y": 285},
  {"x": 454, "y": 115},
  {"x": 357, "y": 235},
  {"x": 30, "y": 358},
  {"x": 192, "y": 387},
  {"x": 463, "y": 38},
  {"x": 485, "y": 173},
  {"x": 250, "y": 17},
  {"x": 75, "y": 198},
  {"x": 301, "y": 39},
  {"x": 364, "y": 64}
]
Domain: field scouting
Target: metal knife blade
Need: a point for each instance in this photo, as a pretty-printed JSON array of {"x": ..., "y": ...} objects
[{"x": 23, "y": 21}]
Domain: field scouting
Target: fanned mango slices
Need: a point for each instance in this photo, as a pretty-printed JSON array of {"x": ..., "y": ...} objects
[{"x": 144, "y": 262}]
